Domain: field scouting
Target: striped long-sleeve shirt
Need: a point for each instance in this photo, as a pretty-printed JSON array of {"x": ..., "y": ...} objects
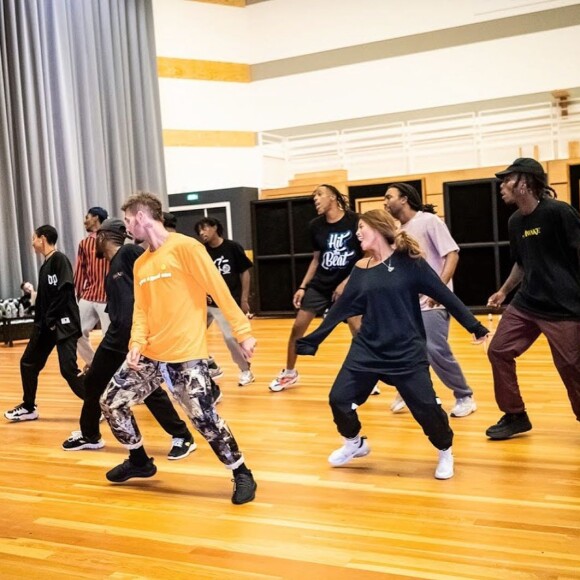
[{"x": 90, "y": 271}]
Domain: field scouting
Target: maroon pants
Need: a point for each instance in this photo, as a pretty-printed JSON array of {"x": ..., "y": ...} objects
[{"x": 516, "y": 332}]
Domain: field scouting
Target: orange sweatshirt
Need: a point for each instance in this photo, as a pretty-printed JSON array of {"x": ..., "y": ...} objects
[{"x": 170, "y": 315}]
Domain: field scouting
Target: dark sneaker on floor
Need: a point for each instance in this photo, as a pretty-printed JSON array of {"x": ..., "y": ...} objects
[
  {"x": 127, "y": 470},
  {"x": 77, "y": 441},
  {"x": 181, "y": 447},
  {"x": 21, "y": 413},
  {"x": 215, "y": 371},
  {"x": 216, "y": 393},
  {"x": 510, "y": 424},
  {"x": 244, "y": 488}
]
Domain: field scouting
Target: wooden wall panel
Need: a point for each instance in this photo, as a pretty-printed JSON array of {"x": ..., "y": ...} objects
[
  {"x": 206, "y": 70},
  {"x": 185, "y": 138},
  {"x": 234, "y": 3}
]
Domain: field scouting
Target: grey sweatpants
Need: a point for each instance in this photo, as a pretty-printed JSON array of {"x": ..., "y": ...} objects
[{"x": 441, "y": 359}]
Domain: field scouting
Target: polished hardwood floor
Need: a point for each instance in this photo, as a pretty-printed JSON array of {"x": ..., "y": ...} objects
[{"x": 512, "y": 511}]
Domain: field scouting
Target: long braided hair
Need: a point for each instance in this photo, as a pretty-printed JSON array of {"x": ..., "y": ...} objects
[
  {"x": 413, "y": 197},
  {"x": 341, "y": 199}
]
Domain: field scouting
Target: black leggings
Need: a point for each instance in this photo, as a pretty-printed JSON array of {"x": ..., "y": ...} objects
[
  {"x": 352, "y": 388},
  {"x": 104, "y": 366},
  {"x": 41, "y": 344}
]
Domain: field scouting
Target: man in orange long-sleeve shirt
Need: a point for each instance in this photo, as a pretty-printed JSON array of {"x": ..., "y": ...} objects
[{"x": 168, "y": 343}]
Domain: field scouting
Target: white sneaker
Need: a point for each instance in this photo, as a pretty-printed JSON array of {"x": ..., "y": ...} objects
[
  {"x": 463, "y": 407},
  {"x": 21, "y": 413},
  {"x": 398, "y": 405},
  {"x": 246, "y": 377},
  {"x": 283, "y": 380},
  {"x": 445, "y": 466},
  {"x": 376, "y": 390},
  {"x": 349, "y": 451}
]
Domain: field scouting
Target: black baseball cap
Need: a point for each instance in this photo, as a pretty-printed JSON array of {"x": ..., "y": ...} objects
[
  {"x": 114, "y": 225},
  {"x": 524, "y": 165}
]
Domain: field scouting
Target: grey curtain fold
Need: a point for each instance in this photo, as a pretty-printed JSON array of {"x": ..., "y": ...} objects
[{"x": 80, "y": 121}]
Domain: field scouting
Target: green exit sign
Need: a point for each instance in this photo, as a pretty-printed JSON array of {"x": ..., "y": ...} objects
[{"x": 192, "y": 196}]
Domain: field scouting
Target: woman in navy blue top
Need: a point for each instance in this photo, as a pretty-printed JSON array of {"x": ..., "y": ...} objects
[{"x": 391, "y": 344}]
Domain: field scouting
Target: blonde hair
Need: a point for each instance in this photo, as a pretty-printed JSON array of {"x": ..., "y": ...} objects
[
  {"x": 384, "y": 223},
  {"x": 142, "y": 200}
]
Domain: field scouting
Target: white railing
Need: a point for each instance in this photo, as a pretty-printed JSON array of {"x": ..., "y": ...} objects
[{"x": 477, "y": 139}]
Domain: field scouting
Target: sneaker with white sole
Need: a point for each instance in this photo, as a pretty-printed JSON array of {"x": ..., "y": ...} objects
[
  {"x": 463, "y": 407},
  {"x": 376, "y": 390},
  {"x": 77, "y": 441},
  {"x": 246, "y": 377},
  {"x": 21, "y": 413},
  {"x": 348, "y": 452},
  {"x": 398, "y": 405},
  {"x": 283, "y": 380},
  {"x": 181, "y": 447},
  {"x": 445, "y": 466}
]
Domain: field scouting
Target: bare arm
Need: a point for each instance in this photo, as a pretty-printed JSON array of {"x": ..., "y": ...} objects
[
  {"x": 449, "y": 266},
  {"x": 297, "y": 299},
  {"x": 244, "y": 303},
  {"x": 513, "y": 280}
]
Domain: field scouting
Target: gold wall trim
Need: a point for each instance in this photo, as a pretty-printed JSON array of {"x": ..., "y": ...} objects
[
  {"x": 191, "y": 138},
  {"x": 235, "y": 3},
  {"x": 205, "y": 70}
]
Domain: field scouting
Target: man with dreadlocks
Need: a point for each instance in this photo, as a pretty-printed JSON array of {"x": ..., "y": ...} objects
[
  {"x": 545, "y": 245},
  {"x": 336, "y": 250},
  {"x": 442, "y": 254}
]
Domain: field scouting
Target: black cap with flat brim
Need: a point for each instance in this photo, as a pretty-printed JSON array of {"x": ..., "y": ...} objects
[{"x": 524, "y": 165}]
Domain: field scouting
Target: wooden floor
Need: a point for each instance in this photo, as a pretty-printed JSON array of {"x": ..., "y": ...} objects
[{"x": 512, "y": 511}]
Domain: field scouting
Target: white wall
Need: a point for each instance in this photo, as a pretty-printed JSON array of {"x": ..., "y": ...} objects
[
  {"x": 514, "y": 66},
  {"x": 523, "y": 65}
]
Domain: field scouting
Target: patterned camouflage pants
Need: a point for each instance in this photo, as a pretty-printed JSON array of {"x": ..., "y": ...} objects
[{"x": 190, "y": 385}]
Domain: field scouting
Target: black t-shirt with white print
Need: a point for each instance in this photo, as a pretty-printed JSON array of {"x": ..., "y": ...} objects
[
  {"x": 56, "y": 306},
  {"x": 339, "y": 250},
  {"x": 231, "y": 260}
]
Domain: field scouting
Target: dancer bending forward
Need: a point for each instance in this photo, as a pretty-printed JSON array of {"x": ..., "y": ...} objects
[{"x": 391, "y": 344}]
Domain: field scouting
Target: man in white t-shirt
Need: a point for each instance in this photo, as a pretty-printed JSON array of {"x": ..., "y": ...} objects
[{"x": 442, "y": 254}]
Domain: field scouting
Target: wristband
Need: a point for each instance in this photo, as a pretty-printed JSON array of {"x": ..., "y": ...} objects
[{"x": 302, "y": 288}]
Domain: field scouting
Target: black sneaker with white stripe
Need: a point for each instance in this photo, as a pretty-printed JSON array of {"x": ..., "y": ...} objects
[
  {"x": 77, "y": 441},
  {"x": 21, "y": 413},
  {"x": 181, "y": 447}
]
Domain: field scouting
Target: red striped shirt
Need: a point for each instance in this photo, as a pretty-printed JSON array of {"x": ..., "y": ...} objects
[{"x": 90, "y": 271}]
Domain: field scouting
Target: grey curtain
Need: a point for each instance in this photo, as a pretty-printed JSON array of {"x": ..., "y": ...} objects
[{"x": 80, "y": 121}]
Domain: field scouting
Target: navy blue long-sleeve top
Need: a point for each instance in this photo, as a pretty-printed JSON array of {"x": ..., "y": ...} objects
[{"x": 392, "y": 336}]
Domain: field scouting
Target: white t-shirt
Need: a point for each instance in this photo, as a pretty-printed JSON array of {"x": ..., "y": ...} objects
[{"x": 435, "y": 241}]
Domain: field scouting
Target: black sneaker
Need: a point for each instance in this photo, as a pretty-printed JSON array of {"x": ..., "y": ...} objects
[
  {"x": 127, "y": 470},
  {"x": 181, "y": 447},
  {"x": 21, "y": 413},
  {"x": 244, "y": 488},
  {"x": 215, "y": 371},
  {"x": 510, "y": 424},
  {"x": 216, "y": 393},
  {"x": 78, "y": 441}
]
